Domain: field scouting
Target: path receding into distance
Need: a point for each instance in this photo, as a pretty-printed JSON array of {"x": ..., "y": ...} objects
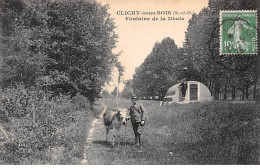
[
  {"x": 96, "y": 132},
  {"x": 97, "y": 151}
]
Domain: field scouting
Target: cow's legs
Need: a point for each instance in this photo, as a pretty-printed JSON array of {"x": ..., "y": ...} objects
[
  {"x": 113, "y": 142},
  {"x": 117, "y": 133},
  {"x": 107, "y": 131}
]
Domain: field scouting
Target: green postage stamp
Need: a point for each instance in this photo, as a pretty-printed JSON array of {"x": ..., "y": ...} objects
[{"x": 238, "y": 32}]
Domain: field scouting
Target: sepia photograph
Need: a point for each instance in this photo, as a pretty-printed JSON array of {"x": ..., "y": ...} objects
[{"x": 129, "y": 82}]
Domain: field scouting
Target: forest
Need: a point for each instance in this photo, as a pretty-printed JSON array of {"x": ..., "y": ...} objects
[{"x": 228, "y": 77}]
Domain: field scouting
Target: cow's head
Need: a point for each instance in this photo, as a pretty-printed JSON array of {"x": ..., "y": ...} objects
[{"x": 122, "y": 115}]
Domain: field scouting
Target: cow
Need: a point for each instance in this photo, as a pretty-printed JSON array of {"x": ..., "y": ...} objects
[{"x": 114, "y": 120}]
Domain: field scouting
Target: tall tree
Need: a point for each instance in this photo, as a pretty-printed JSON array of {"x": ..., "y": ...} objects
[
  {"x": 24, "y": 38},
  {"x": 128, "y": 90},
  {"x": 62, "y": 46},
  {"x": 82, "y": 39},
  {"x": 159, "y": 70}
]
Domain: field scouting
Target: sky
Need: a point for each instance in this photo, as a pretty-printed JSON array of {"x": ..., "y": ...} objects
[{"x": 137, "y": 37}]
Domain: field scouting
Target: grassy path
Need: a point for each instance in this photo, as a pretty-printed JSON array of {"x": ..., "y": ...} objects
[
  {"x": 100, "y": 152},
  {"x": 195, "y": 133},
  {"x": 93, "y": 133}
]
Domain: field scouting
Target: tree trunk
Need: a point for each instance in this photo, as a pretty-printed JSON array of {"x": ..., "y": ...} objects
[
  {"x": 161, "y": 96},
  {"x": 33, "y": 115},
  {"x": 216, "y": 91},
  {"x": 243, "y": 94},
  {"x": 211, "y": 85},
  {"x": 247, "y": 95},
  {"x": 225, "y": 92},
  {"x": 233, "y": 92},
  {"x": 254, "y": 94}
]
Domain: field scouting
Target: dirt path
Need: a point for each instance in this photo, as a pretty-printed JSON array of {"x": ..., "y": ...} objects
[
  {"x": 94, "y": 132},
  {"x": 3, "y": 136},
  {"x": 100, "y": 152},
  {"x": 155, "y": 147}
]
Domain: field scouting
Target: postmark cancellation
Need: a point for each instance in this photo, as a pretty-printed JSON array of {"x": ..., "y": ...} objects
[{"x": 238, "y": 32}]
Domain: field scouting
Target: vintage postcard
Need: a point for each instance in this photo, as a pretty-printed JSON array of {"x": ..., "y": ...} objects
[{"x": 129, "y": 82}]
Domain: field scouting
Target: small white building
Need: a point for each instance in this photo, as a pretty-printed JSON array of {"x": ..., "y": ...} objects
[{"x": 195, "y": 92}]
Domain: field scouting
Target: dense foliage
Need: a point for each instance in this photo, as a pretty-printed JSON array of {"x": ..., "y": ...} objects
[
  {"x": 159, "y": 70},
  {"x": 62, "y": 46},
  {"x": 55, "y": 57},
  {"x": 38, "y": 127},
  {"x": 128, "y": 90}
]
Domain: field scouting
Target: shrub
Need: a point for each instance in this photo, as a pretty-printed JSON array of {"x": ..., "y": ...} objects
[{"x": 37, "y": 123}]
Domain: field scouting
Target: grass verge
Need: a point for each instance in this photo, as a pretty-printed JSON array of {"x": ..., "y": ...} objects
[
  {"x": 42, "y": 130},
  {"x": 214, "y": 132}
]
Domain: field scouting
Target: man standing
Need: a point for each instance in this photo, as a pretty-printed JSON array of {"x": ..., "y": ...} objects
[
  {"x": 137, "y": 115},
  {"x": 184, "y": 87}
]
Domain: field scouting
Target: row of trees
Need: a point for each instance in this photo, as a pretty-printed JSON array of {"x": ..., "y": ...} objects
[
  {"x": 54, "y": 54},
  {"x": 199, "y": 59},
  {"x": 59, "y": 46},
  {"x": 159, "y": 70},
  {"x": 222, "y": 74},
  {"x": 126, "y": 93}
]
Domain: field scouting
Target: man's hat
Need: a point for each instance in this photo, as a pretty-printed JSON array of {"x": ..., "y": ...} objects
[{"x": 133, "y": 98}]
